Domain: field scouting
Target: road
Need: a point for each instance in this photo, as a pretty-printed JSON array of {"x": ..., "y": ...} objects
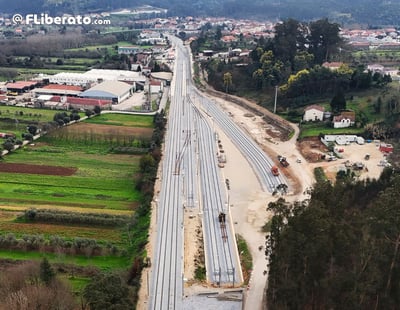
[{"x": 191, "y": 178}]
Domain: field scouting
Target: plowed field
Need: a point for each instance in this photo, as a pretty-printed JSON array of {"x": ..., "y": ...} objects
[{"x": 37, "y": 169}]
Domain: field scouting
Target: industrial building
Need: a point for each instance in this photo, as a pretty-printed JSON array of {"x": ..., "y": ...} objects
[
  {"x": 65, "y": 103},
  {"x": 94, "y": 76},
  {"x": 115, "y": 91},
  {"x": 58, "y": 89},
  {"x": 21, "y": 86}
]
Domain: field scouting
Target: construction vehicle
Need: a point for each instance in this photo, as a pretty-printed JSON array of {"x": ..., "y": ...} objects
[
  {"x": 282, "y": 160},
  {"x": 275, "y": 170}
]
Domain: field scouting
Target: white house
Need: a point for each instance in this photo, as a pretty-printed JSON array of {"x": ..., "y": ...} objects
[
  {"x": 345, "y": 119},
  {"x": 313, "y": 113}
]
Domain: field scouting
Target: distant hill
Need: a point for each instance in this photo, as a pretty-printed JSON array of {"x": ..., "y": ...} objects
[{"x": 367, "y": 12}]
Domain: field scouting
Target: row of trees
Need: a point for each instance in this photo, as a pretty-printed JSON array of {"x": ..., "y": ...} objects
[
  {"x": 65, "y": 217},
  {"x": 62, "y": 118},
  {"x": 339, "y": 249},
  {"x": 319, "y": 80},
  {"x": 56, "y": 244},
  {"x": 54, "y": 46}
]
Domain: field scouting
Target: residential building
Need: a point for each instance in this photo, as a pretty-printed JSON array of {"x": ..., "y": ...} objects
[
  {"x": 314, "y": 113},
  {"x": 345, "y": 119}
]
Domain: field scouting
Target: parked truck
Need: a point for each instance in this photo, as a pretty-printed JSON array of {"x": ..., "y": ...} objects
[
  {"x": 275, "y": 170},
  {"x": 282, "y": 160}
]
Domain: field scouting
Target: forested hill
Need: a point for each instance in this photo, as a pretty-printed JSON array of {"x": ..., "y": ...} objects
[
  {"x": 367, "y": 12},
  {"x": 341, "y": 251}
]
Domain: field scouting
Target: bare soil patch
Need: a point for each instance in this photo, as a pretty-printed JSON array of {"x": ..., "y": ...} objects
[
  {"x": 312, "y": 149},
  {"x": 37, "y": 169}
]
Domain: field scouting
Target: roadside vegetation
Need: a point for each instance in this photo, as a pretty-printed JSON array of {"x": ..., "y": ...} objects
[{"x": 246, "y": 259}]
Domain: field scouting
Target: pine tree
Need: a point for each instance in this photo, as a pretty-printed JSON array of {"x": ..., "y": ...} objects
[{"x": 47, "y": 273}]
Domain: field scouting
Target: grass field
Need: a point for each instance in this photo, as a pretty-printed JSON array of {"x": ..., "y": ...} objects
[
  {"x": 123, "y": 120},
  {"x": 101, "y": 181},
  {"x": 315, "y": 129},
  {"x": 16, "y": 119},
  {"x": 27, "y": 114},
  {"x": 102, "y": 262}
]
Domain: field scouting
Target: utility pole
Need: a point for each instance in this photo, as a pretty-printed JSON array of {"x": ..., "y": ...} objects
[{"x": 276, "y": 97}]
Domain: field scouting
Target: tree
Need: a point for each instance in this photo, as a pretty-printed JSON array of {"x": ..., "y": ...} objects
[
  {"x": 27, "y": 136},
  {"x": 32, "y": 129},
  {"x": 182, "y": 35},
  {"x": 289, "y": 39},
  {"x": 88, "y": 113},
  {"x": 156, "y": 67},
  {"x": 218, "y": 33},
  {"x": 378, "y": 105},
  {"x": 46, "y": 272},
  {"x": 97, "y": 110},
  {"x": 324, "y": 39},
  {"x": 258, "y": 76},
  {"x": 338, "y": 102},
  {"x": 302, "y": 60},
  {"x": 8, "y": 145},
  {"x": 147, "y": 163},
  {"x": 227, "y": 81},
  {"x": 107, "y": 291}
]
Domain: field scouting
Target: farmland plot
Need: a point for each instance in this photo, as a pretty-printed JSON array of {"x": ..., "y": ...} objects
[{"x": 74, "y": 170}]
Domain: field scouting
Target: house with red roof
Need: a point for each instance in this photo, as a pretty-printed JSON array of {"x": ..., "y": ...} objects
[{"x": 344, "y": 119}]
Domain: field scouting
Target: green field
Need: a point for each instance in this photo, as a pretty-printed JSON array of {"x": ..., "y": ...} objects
[
  {"x": 102, "y": 182},
  {"x": 16, "y": 119},
  {"x": 27, "y": 114},
  {"x": 102, "y": 262},
  {"x": 123, "y": 120},
  {"x": 315, "y": 129}
]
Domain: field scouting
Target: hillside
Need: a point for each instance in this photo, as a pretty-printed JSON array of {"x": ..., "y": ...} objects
[
  {"x": 339, "y": 250},
  {"x": 367, "y": 12}
]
